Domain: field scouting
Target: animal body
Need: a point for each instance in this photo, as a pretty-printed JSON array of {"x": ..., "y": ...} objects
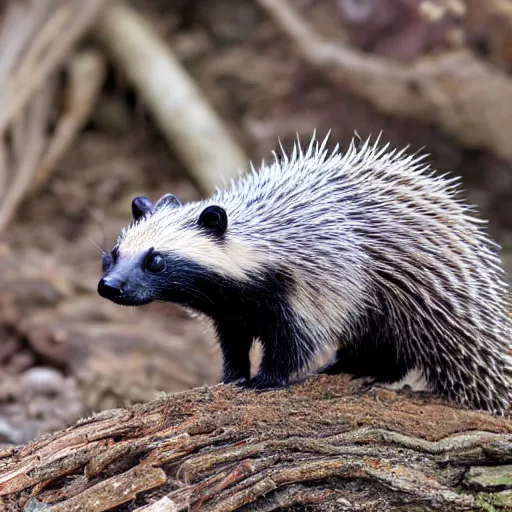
[{"x": 366, "y": 250}]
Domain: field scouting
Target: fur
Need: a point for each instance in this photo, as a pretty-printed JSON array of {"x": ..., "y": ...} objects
[{"x": 368, "y": 251}]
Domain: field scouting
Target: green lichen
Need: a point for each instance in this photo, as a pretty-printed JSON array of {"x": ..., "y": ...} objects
[
  {"x": 490, "y": 478},
  {"x": 494, "y": 502}
]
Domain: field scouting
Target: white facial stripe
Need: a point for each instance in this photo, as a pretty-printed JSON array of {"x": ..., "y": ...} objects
[{"x": 231, "y": 258}]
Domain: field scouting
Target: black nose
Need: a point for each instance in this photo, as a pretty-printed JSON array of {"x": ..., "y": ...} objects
[{"x": 110, "y": 287}]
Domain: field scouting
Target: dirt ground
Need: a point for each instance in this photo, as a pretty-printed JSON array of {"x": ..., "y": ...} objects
[{"x": 65, "y": 352}]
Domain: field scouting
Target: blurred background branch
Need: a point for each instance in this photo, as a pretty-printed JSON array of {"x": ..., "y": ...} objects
[
  {"x": 185, "y": 117},
  {"x": 40, "y": 116},
  {"x": 37, "y": 38},
  {"x": 450, "y": 90}
]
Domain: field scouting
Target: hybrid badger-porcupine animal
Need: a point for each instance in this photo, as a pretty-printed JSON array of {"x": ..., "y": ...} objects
[{"x": 367, "y": 250}]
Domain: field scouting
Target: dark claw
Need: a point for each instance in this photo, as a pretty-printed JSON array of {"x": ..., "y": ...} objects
[
  {"x": 261, "y": 383},
  {"x": 234, "y": 381},
  {"x": 232, "y": 377}
]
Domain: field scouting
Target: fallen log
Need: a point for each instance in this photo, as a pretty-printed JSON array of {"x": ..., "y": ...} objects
[{"x": 329, "y": 443}]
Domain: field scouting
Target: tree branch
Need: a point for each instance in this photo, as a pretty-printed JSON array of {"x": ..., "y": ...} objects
[
  {"x": 186, "y": 118},
  {"x": 468, "y": 98}
]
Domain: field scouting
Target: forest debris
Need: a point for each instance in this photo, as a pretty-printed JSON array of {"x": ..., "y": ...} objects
[
  {"x": 402, "y": 30},
  {"x": 450, "y": 89},
  {"x": 86, "y": 73},
  {"x": 35, "y": 40},
  {"x": 220, "y": 448},
  {"x": 29, "y": 138},
  {"x": 488, "y": 28},
  {"x": 121, "y": 356},
  {"x": 35, "y": 402},
  {"x": 180, "y": 109},
  {"x": 36, "y": 44},
  {"x": 114, "y": 491}
]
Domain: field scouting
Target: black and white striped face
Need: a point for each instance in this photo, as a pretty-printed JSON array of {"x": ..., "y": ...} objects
[{"x": 174, "y": 253}]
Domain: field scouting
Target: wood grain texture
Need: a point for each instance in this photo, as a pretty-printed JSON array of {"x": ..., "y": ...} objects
[{"x": 328, "y": 443}]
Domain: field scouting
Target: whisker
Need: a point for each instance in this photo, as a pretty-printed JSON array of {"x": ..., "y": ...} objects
[
  {"x": 98, "y": 218},
  {"x": 198, "y": 294},
  {"x": 97, "y": 246}
]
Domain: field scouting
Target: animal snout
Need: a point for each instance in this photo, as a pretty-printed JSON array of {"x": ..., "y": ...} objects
[{"x": 110, "y": 287}]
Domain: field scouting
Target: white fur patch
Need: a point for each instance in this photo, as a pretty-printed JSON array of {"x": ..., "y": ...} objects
[
  {"x": 415, "y": 379},
  {"x": 232, "y": 258},
  {"x": 327, "y": 315}
]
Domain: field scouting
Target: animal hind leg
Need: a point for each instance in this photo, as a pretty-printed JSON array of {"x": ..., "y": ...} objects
[{"x": 381, "y": 361}]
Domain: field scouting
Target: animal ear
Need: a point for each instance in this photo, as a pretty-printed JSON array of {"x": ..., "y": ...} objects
[
  {"x": 214, "y": 219},
  {"x": 141, "y": 206},
  {"x": 167, "y": 201}
]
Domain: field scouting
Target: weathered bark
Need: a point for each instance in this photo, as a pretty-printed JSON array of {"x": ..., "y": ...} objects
[{"x": 326, "y": 443}]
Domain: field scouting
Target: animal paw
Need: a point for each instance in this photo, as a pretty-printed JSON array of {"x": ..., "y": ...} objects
[
  {"x": 365, "y": 382},
  {"x": 262, "y": 383},
  {"x": 332, "y": 368},
  {"x": 233, "y": 378}
]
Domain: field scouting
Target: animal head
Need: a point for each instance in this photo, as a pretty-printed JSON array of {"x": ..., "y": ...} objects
[{"x": 171, "y": 252}]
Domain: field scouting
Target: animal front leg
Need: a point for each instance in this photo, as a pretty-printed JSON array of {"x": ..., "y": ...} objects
[
  {"x": 235, "y": 342},
  {"x": 285, "y": 353}
]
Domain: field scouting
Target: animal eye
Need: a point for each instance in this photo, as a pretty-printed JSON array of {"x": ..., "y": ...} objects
[
  {"x": 211, "y": 218},
  {"x": 214, "y": 219},
  {"x": 108, "y": 260},
  {"x": 154, "y": 263}
]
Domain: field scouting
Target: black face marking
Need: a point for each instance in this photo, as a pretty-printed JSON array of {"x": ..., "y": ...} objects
[
  {"x": 214, "y": 220},
  {"x": 108, "y": 260},
  {"x": 141, "y": 206},
  {"x": 242, "y": 311},
  {"x": 154, "y": 262},
  {"x": 168, "y": 201}
]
